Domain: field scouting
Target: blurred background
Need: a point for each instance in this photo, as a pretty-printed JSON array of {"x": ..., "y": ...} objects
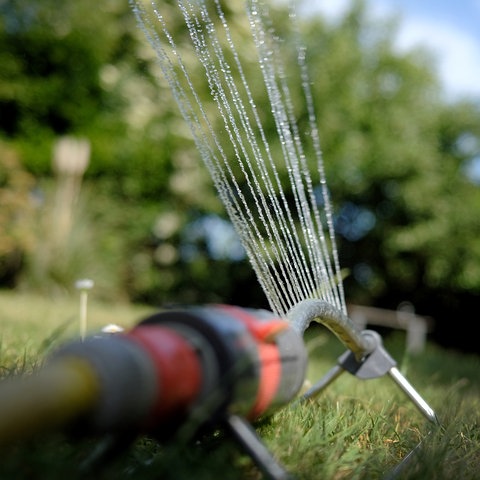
[{"x": 100, "y": 179}]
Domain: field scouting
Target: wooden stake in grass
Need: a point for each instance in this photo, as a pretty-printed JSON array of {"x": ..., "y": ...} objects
[{"x": 84, "y": 285}]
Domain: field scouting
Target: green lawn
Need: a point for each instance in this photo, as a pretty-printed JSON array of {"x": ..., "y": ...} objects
[{"x": 354, "y": 430}]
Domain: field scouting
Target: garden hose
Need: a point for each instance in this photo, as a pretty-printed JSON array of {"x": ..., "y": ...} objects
[
  {"x": 46, "y": 400},
  {"x": 191, "y": 365}
]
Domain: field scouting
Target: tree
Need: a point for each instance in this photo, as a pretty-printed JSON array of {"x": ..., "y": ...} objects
[
  {"x": 397, "y": 155},
  {"x": 76, "y": 69}
]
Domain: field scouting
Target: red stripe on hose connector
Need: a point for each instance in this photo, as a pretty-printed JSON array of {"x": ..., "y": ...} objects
[
  {"x": 263, "y": 332},
  {"x": 178, "y": 368},
  {"x": 270, "y": 373}
]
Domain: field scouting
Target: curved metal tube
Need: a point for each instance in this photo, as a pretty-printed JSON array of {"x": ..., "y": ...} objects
[{"x": 307, "y": 311}]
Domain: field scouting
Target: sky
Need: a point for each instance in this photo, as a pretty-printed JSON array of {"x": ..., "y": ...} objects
[{"x": 449, "y": 29}]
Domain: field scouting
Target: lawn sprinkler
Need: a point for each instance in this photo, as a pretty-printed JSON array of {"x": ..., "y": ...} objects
[
  {"x": 185, "y": 371},
  {"x": 366, "y": 358}
]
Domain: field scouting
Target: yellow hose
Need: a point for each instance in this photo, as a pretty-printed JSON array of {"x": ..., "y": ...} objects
[{"x": 46, "y": 400}]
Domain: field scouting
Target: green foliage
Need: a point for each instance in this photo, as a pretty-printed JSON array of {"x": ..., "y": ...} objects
[
  {"x": 52, "y": 55},
  {"x": 16, "y": 216}
]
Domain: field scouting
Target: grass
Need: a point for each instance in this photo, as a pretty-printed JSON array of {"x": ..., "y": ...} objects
[{"x": 354, "y": 430}]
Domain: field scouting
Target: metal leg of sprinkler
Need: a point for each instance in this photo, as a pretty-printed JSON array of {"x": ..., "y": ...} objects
[
  {"x": 406, "y": 461},
  {"x": 323, "y": 383},
  {"x": 419, "y": 402},
  {"x": 110, "y": 447},
  {"x": 245, "y": 434}
]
